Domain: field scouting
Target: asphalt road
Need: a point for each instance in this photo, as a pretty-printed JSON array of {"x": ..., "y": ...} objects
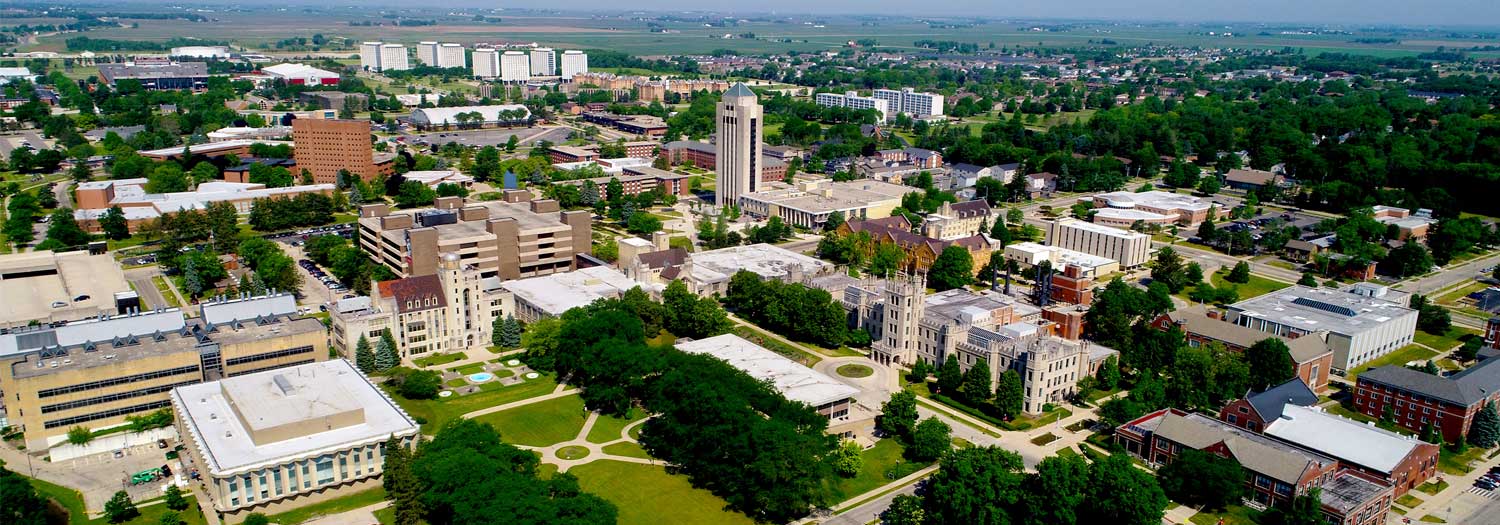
[
  {"x": 140, "y": 278},
  {"x": 871, "y": 510},
  {"x": 1450, "y": 275}
]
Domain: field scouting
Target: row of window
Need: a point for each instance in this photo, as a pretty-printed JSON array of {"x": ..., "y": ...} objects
[
  {"x": 316, "y": 471},
  {"x": 93, "y": 385},
  {"x": 305, "y": 349},
  {"x": 70, "y": 421},
  {"x": 273, "y": 367},
  {"x": 69, "y": 405}
]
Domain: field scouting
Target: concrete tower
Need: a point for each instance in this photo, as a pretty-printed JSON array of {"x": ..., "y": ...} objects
[
  {"x": 905, "y": 302},
  {"x": 738, "y": 148}
]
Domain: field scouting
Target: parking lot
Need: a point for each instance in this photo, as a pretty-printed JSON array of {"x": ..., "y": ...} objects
[
  {"x": 99, "y": 476},
  {"x": 319, "y": 289},
  {"x": 10, "y": 141}
]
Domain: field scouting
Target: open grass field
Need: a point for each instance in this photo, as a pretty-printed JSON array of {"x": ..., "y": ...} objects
[
  {"x": 350, "y": 502},
  {"x": 1257, "y": 286},
  {"x": 261, "y": 28},
  {"x": 1455, "y": 336},
  {"x": 436, "y": 412},
  {"x": 540, "y": 424},
  {"x": 1234, "y": 515},
  {"x": 609, "y": 428},
  {"x": 640, "y": 491},
  {"x": 627, "y": 449},
  {"x": 1399, "y": 357},
  {"x": 882, "y": 464}
]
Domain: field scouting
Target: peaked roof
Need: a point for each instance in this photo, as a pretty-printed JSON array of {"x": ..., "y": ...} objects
[
  {"x": 416, "y": 290},
  {"x": 971, "y": 208},
  {"x": 739, "y": 90},
  {"x": 1254, "y": 452},
  {"x": 1465, "y": 388},
  {"x": 1269, "y": 404},
  {"x": 1348, "y": 440}
]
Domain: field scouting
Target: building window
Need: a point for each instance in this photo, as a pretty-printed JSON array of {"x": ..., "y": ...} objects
[{"x": 325, "y": 470}]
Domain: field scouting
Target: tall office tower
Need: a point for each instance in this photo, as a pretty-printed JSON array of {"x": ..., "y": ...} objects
[
  {"x": 450, "y": 55},
  {"x": 543, "y": 62},
  {"x": 737, "y": 154},
  {"x": 514, "y": 67},
  {"x": 393, "y": 58},
  {"x": 905, "y": 303},
  {"x": 427, "y": 53},
  {"x": 369, "y": 55},
  {"x": 486, "y": 62},
  {"x": 573, "y": 63}
]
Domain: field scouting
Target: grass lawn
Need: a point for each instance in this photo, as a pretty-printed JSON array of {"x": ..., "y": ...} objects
[
  {"x": 435, "y": 412},
  {"x": 1234, "y": 515},
  {"x": 852, "y": 370},
  {"x": 1454, "y": 337},
  {"x": 166, "y": 291},
  {"x": 152, "y": 515},
  {"x": 353, "y": 501},
  {"x": 1461, "y": 292},
  {"x": 69, "y": 499},
  {"x": 540, "y": 424},
  {"x": 882, "y": 464},
  {"x": 627, "y": 449},
  {"x": 1256, "y": 287},
  {"x": 471, "y": 368},
  {"x": 1432, "y": 519},
  {"x": 1456, "y": 464},
  {"x": 1408, "y": 500},
  {"x": 1433, "y": 488},
  {"x": 439, "y": 359},
  {"x": 386, "y": 516},
  {"x": 455, "y": 382},
  {"x": 639, "y": 491},
  {"x": 609, "y": 428},
  {"x": 1044, "y": 439},
  {"x": 1399, "y": 357},
  {"x": 1066, "y": 452}
]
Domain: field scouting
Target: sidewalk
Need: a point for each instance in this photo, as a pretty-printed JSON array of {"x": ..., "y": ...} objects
[{"x": 1442, "y": 501}]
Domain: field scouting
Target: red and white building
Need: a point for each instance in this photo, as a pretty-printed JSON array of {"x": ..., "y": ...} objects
[{"x": 299, "y": 74}]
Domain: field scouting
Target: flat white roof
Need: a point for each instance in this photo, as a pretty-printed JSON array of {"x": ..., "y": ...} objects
[
  {"x": 1058, "y": 254},
  {"x": 796, "y": 382},
  {"x": 221, "y": 415},
  {"x": 1345, "y": 439},
  {"x": 1128, "y": 214},
  {"x": 1155, "y": 199},
  {"x": 30, "y": 283},
  {"x": 765, "y": 260},
  {"x": 560, "y": 292},
  {"x": 1099, "y": 228}
]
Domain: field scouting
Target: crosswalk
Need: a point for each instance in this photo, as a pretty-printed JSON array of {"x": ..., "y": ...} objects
[{"x": 1484, "y": 493}]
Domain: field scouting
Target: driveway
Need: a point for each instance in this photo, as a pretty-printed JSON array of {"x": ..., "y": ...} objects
[{"x": 140, "y": 278}]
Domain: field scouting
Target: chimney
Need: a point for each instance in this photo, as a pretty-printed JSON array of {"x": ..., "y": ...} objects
[
  {"x": 448, "y": 203},
  {"x": 544, "y": 206}
]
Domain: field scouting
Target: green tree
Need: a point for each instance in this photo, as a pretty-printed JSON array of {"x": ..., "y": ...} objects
[
  {"x": 120, "y": 509},
  {"x": 385, "y": 355},
  {"x": 929, "y": 440},
  {"x": 905, "y": 509},
  {"x": 1055, "y": 493},
  {"x": 174, "y": 498},
  {"x": 1407, "y": 260},
  {"x": 80, "y": 171},
  {"x": 898, "y": 415},
  {"x": 975, "y": 486},
  {"x": 170, "y": 517},
  {"x": 1010, "y": 394},
  {"x": 1109, "y": 373},
  {"x": 976, "y": 383},
  {"x": 1304, "y": 509},
  {"x": 1209, "y": 185},
  {"x": 950, "y": 376},
  {"x": 364, "y": 357},
  {"x": 1201, "y": 478},
  {"x": 952, "y": 269},
  {"x": 507, "y": 332},
  {"x": 1120, "y": 493},
  {"x": 1270, "y": 363},
  {"x": 1240, "y": 273},
  {"x": 418, "y": 384},
  {"x": 1484, "y": 432},
  {"x": 203, "y": 172},
  {"x": 166, "y": 178},
  {"x": 256, "y": 518},
  {"x": 80, "y": 435},
  {"x": 886, "y": 259},
  {"x": 64, "y": 230},
  {"x": 847, "y": 460},
  {"x": 113, "y": 223},
  {"x": 20, "y": 504},
  {"x": 1168, "y": 268},
  {"x": 834, "y": 220},
  {"x": 1308, "y": 280},
  {"x": 401, "y": 486}
]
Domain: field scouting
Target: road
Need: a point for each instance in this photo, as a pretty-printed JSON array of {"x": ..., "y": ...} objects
[
  {"x": 1487, "y": 511},
  {"x": 1210, "y": 260},
  {"x": 140, "y": 278},
  {"x": 870, "y": 511},
  {"x": 1449, "y": 276}
]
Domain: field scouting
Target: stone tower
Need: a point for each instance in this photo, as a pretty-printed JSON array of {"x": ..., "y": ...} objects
[{"x": 904, "y": 306}]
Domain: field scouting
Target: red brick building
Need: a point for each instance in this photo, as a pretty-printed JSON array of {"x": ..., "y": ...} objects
[
  {"x": 636, "y": 180},
  {"x": 702, "y": 155},
  {"x": 1258, "y": 409},
  {"x": 1203, "y": 326},
  {"x": 1416, "y": 399},
  {"x": 1402, "y": 461}
]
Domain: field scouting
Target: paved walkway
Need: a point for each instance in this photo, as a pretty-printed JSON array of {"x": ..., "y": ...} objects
[
  {"x": 359, "y": 516},
  {"x": 1448, "y": 502},
  {"x": 596, "y": 452},
  {"x": 560, "y": 391}
]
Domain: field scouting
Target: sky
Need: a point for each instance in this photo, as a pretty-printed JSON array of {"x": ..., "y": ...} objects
[{"x": 1397, "y": 12}]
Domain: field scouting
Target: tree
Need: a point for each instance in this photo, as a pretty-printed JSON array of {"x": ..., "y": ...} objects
[
  {"x": 976, "y": 383},
  {"x": 898, "y": 415},
  {"x": 364, "y": 357},
  {"x": 174, "y": 498},
  {"x": 401, "y": 485},
  {"x": 691, "y": 316},
  {"x": 64, "y": 231},
  {"x": 1109, "y": 373},
  {"x": 166, "y": 178},
  {"x": 952, "y": 269},
  {"x": 1304, "y": 509},
  {"x": 642, "y": 223},
  {"x": 1485, "y": 430},
  {"x": 975, "y": 486},
  {"x": 256, "y": 518},
  {"x": 834, "y": 220},
  {"x": 385, "y": 355},
  {"x": 929, "y": 441},
  {"x": 846, "y": 460},
  {"x": 120, "y": 509},
  {"x": 20, "y": 504},
  {"x": 1055, "y": 493},
  {"x": 1308, "y": 280},
  {"x": 1407, "y": 260},
  {"x": 170, "y": 517},
  {"x": 412, "y": 194},
  {"x": 905, "y": 509},
  {"x": 1240, "y": 273},
  {"x": 114, "y": 224},
  {"x": 1120, "y": 493},
  {"x": 1010, "y": 394},
  {"x": 1202, "y": 478},
  {"x": 1470, "y": 349},
  {"x": 1209, "y": 185},
  {"x": 950, "y": 376},
  {"x": 1270, "y": 363},
  {"x": 1168, "y": 269},
  {"x": 885, "y": 259},
  {"x": 507, "y": 332},
  {"x": 80, "y": 435},
  {"x": 417, "y": 384}
]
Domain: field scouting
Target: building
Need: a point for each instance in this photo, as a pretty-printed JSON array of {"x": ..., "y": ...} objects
[
  {"x": 336, "y": 100},
  {"x": 393, "y": 57},
  {"x": 852, "y": 100},
  {"x": 95, "y": 198},
  {"x": 635, "y": 180},
  {"x": 168, "y": 75},
  {"x": 515, "y": 66},
  {"x": 705, "y": 156},
  {"x": 808, "y": 204},
  {"x": 427, "y": 53},
  {"x": 301, "y": 75},
  {"x": 486, "y": 62},
  {"x": 451, "y": 310},
  {"x": 962, "y": 175},
  {"x": 46, "y": 287},
  {"x": 1402, "y": 461},
  {"x": 920, "y": 251},
  {"x": 828, "y": 396},
  {"x": 1313, "y": 358},
  {"x": 1030, "y": 254},
  {"x": 96, "y": 372},
  {"x": 200, "y": 52},
  {"x": 238, "y": 148},
  {"x": 435, "y": 178},
  {"x": 277, "y": 440},
  {"x": 1243, "y": 179},
  {"x": 574, "y": 63},
  {"x": 645, "y": 125},
  {"x": 505, "y": 239},
  {"x": 1409, "y": 226},
  {"x": 911, "y": 102},
  {"x": 1275, "y": 472},
  {"x": 1122, "y": 209},
  {"x": 551, "y": 295},
  {"x": 327, "y": 146},
  {"x": 543, "y": 62},
  {"x": 1360, "y": 322},
  {"x": 1258, "y": 409},
  {"x": 433, "y": 118},
  {"x": 443, "y": 55},
  {"x": 1131, "y": 249},
  {"x": 560, "y": 154},
  {"x": 973, "y": 328},
  {"x": 708, "y": 272},
  {"x": 1415, "y": 399},
  {"x": 958, "y": 220},
  {"x": 738, "y": 153},
  {"x": 918, "y": 158},
  {"x": 369, "y": 55}
]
